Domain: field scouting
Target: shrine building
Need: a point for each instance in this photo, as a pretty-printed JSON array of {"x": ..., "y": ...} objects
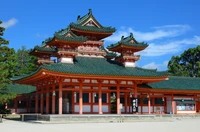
[{"x": 77, "y": 75}]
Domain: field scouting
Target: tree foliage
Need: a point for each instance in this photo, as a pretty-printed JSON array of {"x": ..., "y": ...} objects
[
  {"x": 7, "y": 62},
  {"x": 25, "y": 62},
  {"x": 187, "y": 64}
]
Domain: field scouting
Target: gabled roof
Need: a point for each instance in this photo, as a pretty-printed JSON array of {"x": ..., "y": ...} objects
[
  {"x": 43, "y": 48},
  {"x": 82, "y": 24},
  {"x": 97, "y": 66},
  {"x": 21, "y": 89},
  {"x": 129, "y": 42},
  {"x": 85, "y": 18},
  {"x": 177, "y": 83},
  {"x": 67, "y": 35}
]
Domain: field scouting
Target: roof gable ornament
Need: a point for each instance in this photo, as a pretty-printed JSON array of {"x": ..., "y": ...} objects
[
  {"x": 90, "y": 11},
  {"x": 122, "y": 37},
  {"x": 78, "y": 18}
]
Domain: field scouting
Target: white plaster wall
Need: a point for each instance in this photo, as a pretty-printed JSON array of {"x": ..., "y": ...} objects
[
  {"x": 105, "y": 108},
  {"x": 96, "y": 108},
  {"x": 22, "y": 110},
  {"x": 145, "y": 109},
  {"x": 76, "y": 108},
  {"x": 86, "y": 108}
]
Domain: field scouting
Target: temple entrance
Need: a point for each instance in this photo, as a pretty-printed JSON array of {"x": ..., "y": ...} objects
[{"x": 67, "y": 102}]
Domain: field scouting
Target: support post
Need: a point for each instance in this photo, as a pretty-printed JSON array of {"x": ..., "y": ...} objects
[
  {"x": 172, "y": 104},
  {"x": 80, "y": 96},
  {"x": 100, "y": 96},
  {"x": 125, "y": 102},
  {"x": 118, "y": 98},
  {"x": 47, "y": 102},
  {"x": 41, "y": 101},
  {"x": 149, "y": 105},
  {"x": 16, "y": 102},
  {"x": 60, "y": 97},
  {"x": 36, "y": 100},
  {"x": 53, "y": 98}
]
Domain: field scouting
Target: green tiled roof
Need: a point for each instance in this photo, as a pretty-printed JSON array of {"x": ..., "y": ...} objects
[
  {"x": 178, "y": 83},
  {"x": 82, "y": 20},
  {"x": 46, "y": 49},
  {"x": 21, "y": 89},
  {"x": 127, "y": 41},
  {"x": 62, "y": 36},
  {"x": 111, "y": 54},
  {"x": 98, "y": 66},
  {"x": 93, "y": 28}
]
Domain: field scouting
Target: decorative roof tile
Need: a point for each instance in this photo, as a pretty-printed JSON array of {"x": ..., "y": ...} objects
[
  {"x": 92, "y": 28},
  {"x": 21, "y": 89},
  {"x": 67, "y": 34},
  {"x": 177, "y": 83},
  {"x": 97, "y": 66},
  {"x": 128, "y": 41}
]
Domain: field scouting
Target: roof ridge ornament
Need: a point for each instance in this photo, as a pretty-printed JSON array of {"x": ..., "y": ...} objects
[
  {"x": 79, "y": 17},
  {"x": 90, "y": 11},
  {"x": 122, "y": 37},
  {"x": 131, "y": 34}
]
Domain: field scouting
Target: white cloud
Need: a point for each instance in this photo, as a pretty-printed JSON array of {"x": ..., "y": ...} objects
[
  {"x": 169, "y": 48},
  {"x": 153, "y": 65},
  {"x": 9, "y": 23},
  {"x": 159, "y": 33}
]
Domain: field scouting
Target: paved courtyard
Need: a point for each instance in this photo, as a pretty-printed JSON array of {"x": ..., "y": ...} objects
[{"x": 186, "y": 125}]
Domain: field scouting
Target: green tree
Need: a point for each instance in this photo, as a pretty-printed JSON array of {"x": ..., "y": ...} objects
[
  {"x": 7, "y": 63},
  {"x": 25, "y": 61},
  {"x": 187, "y": 64}
]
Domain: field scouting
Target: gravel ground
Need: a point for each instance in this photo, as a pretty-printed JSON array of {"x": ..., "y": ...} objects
[{"x": 184, "y": 125}]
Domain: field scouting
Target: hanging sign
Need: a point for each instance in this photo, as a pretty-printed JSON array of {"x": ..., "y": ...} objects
[{"x": 135, "y": 105}]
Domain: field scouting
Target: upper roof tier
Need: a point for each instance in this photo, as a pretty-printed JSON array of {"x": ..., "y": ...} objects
[
  {"x": 43, "y": 49},
  {"x": 128, "y": 43},
  {"x": 89, "y": 26},
  {"x": 66, "y": 36}
]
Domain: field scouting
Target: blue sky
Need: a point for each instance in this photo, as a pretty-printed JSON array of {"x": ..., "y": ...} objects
[{"x": 168, "y": 26}]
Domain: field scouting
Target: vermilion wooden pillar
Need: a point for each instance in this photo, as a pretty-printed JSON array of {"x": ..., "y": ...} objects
[
  {"x": 149, "y": 105},
  {"x": 41, "y": 101},
  {"x": 100, "y": 97},
  {"x": 60, "y": 98},
  {"x": 53, "y": 98},
  {"x": 47, "y": 102},
  {"x": 36, "y": 100},
  {"x": 16, "y": 102},
  {"x": 118, "y": 98},
  {"x": 126, "y": 103},
  {"x": 172, "y": 98},
  {"x": 92, "y": 101},
  {"x": 80, "y": 96}
]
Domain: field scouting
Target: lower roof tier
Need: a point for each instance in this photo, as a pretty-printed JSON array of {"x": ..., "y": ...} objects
[
  {"x": 174, "y": 83},
  {"x": 88, "y": 66}
]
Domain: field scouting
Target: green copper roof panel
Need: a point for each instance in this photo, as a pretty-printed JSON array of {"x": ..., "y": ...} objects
[
  {"x": 178, "y": 83},
  {"x": 93, "y": 28},
  {"x": 21, "y": 89},
  {"x": 46, "y": 49},
  {"x": 100, "y": 66},
  {"x": 82, "y": 20},
  {"x": 97, "y": 66},
  {"x": 74, "y": 38},
  {"x": 127, "y": 41}
]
